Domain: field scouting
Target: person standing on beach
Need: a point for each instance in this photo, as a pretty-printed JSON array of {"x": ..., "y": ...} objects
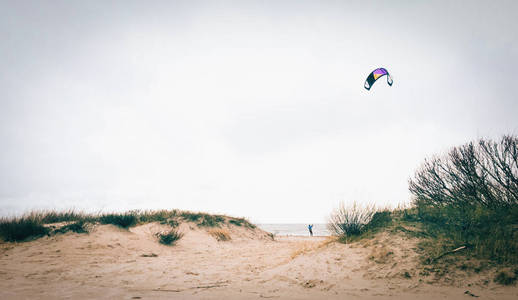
[{"x": 310, "y": 228}]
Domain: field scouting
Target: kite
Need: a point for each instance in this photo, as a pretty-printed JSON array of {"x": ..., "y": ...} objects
[{"x": 374, "y": 75}]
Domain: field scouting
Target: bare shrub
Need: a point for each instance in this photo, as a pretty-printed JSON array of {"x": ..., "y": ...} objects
[
  {"x": 483, "y": 173},
  {"x": 470, "y": 196}
]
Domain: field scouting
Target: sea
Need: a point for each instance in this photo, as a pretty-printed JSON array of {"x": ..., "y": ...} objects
[{"x": 295, "y": 229}]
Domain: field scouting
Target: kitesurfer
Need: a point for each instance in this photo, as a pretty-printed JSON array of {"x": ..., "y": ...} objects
[{"x": 310, "y": 228}]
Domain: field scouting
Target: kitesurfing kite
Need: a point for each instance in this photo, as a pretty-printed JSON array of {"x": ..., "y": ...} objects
[{"x": 374, "y": 75}]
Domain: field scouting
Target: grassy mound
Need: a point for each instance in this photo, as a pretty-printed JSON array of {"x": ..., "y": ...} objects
[
  {"x": 21, "y": 229},
  {"x": 32, "y": 225}
]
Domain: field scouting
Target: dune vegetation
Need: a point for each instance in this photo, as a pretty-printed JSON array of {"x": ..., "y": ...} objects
[
  {"x": 36, "y": 224},
  {"x": 220, "y": 235},
  {"x": 170, "y": 237},
  {"x": 464, "y": 207},
  {"x": 470, "y": 197}
]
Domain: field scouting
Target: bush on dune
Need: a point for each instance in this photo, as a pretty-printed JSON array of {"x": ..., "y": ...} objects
[
  {"x": 32, "y": 225},
  {"x": 162, "y": 216},
  {"x": 483, "y": 173},
  {"x": 169, "y": 238},
  {"x": 48, "y": 217},
  {"x": 77, "y": 227},
  {"x": 124, "y": 220},
  {"x": 241, "y": 222},
  {"x": 190, "y": 216},
  {"x": 354, "y": 220},
  {"x": 470, "y": 196},
  {"x": 380, "y": 219},
  {"x": 21, "y": 229},
  {"x": 211, "y": 220},
  {"x": 203, "y": 219}
]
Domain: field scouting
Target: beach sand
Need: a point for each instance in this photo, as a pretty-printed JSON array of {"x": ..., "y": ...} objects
[{"x": 114, "y": 263}]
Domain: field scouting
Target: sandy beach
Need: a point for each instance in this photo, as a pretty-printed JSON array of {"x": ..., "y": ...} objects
[{"x": 115, "y": 263}]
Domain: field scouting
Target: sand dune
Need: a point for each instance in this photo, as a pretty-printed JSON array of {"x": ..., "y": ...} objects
[{"x": 114, "y": 263}]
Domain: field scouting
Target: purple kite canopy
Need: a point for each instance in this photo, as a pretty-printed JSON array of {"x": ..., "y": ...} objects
[{"x": 374, "y": 75}]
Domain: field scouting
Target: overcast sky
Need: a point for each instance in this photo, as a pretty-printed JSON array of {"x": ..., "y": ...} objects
[{"x": 248, "y": 108}]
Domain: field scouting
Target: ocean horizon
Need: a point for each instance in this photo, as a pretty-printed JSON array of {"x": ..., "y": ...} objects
[{"x": 295, "y": 229}]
